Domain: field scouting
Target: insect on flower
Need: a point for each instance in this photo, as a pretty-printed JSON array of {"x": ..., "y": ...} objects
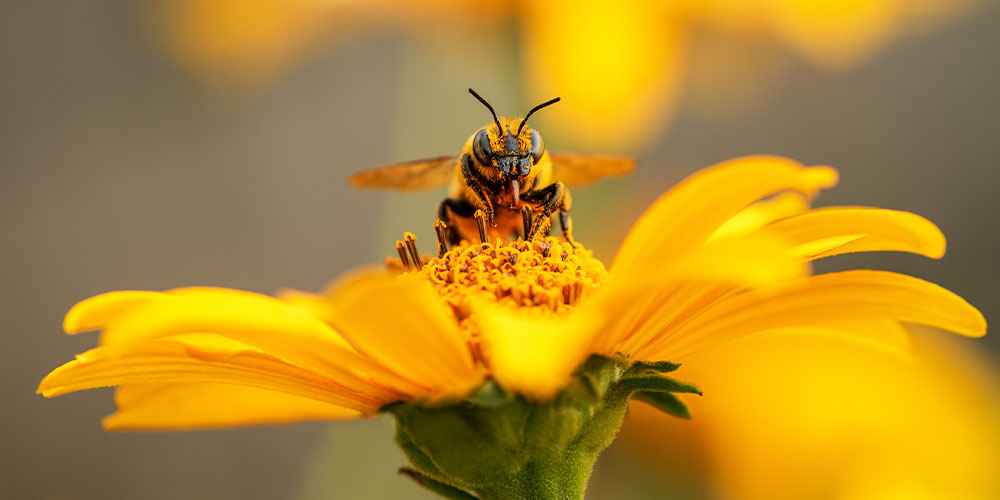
[
  {"x": 509, "y": 366},
  {"x": 504, "y": 171}
]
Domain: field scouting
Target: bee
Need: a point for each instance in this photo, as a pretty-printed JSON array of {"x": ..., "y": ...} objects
[{"x": 503, "y": 182}]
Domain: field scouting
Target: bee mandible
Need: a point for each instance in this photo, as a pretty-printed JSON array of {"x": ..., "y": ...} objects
[{"x": 504, "y": 174}]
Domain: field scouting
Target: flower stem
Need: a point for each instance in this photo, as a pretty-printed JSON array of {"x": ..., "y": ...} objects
[
  {"x": 497, "y": 446},
  {"x": 494, "y": 445},
  {"x": 555, "y": 479}
]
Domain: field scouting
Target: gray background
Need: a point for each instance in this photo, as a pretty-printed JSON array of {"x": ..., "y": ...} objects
[{"x": 118, "y": 171}]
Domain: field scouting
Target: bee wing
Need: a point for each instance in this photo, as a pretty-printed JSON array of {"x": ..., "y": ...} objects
[
  {"x": 576, "y": 169},
  {"x": 407, "y": 176}
]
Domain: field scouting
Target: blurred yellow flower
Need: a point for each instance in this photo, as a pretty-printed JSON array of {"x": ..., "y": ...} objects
[
  {"x": 792, "y": 414},
  {"x": 705, "y": 264},
  {"x": 620, "y": 67}
]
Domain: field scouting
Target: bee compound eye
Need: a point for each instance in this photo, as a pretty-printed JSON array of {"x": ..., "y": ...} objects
[
  {"x": 537, "y": 147},
  {"x": 481, "y": 148}
]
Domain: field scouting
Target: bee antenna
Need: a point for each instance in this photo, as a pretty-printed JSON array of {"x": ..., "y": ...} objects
[
  {"x": 536, "y": 108},
  {"x": 494, "y": 113}
]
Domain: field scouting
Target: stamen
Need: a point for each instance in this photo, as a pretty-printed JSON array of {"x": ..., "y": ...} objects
[
  {"x": 578, "y": 292},
  {"x": 442, "y": 233},
  {"x": 411, "y": 245},
  {"x": 526, "y": 220},
  {"x": 546, "y": 273},
  {"x": 481, "y": 222},
  {"x": 401, "y": 248}
]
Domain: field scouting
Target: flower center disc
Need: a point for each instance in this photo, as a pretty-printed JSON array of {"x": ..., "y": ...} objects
[{"x": 547, "y": 273}]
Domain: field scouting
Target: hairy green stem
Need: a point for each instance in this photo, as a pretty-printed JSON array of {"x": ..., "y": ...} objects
[{"x": 498, "y": 446}]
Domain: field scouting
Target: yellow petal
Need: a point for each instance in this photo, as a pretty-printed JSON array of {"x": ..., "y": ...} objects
[
  {"x": 835, "y": 34},
  {"x": 666, "y": 312},
  {"x": 682, "y": 220},
  {"x": 670, "y": 291},
  {"x": 404, "y": 325},
  {"x": 197, "y": 358},
  {"x": 189, "y": 405},
  {"x": 821, "y": 300},
  {"x": 841, "y": 419},
  {"x": 755, "y": 260},
  {"x": 279, "y": 328},
  {"x": 94, "y": 313},
  {"x": 532, "y": 352},
  {"x": 318, "y": 304},
  {"x": 886, "y": 335},
  {"x": 864, "y": 230},
  {"x": 760, "y": 214},
  {"x": 617, "y": 67}
]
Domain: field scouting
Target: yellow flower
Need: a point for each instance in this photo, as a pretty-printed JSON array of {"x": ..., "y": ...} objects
[
  {"x": 795, "y": 414},
  {"x": 620, "y": 67},
  {"x": 708, "y": 262}
]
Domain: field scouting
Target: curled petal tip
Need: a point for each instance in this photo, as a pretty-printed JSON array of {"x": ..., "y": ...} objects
[
  {"x": 93, "y": 313},
  {"x": 824, "y": 176}
]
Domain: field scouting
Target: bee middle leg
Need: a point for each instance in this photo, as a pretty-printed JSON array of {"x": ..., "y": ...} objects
[
  {"x": 566, "y": 224},
  {"x": 457, "y": 207},
  {"x": 549, "y": 199}
]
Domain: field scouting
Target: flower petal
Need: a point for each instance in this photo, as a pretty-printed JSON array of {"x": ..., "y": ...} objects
[
  {"x": 756, "y": 260},
  {"x": 532, "y": 352},
  {"x": 671, "y": 291},
  {"x": 618, "y": 88},
  {"x": 318, "y": 304},
  {"x": 197, "y": 358},
  {"x": 866, "y": 229},
  {"x": 668, "y": 311},
  {"x": 281, "y": 329},
  {"x": 761, "y": 214},
  {"x": 404, "y": 325},
  {"x": 822, "y": 300},
  {"x": 886, "y": 335},
  {"x": 682, "y": 220},
  {"x": 836, "y": 34},
  {"x": 95, "y": 312},
  {"x": 188, "y": 405}
]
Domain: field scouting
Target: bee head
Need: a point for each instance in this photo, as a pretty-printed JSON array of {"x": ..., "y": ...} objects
[{"x": 512, "y": 149}]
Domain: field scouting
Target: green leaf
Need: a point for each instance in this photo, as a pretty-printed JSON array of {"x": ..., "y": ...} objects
[
  {"x": 656, "y": 383},
  {"x": 665, "y": 402},
  {"x": 644, "y": 367},
  {"x": 438, "y": 487}
]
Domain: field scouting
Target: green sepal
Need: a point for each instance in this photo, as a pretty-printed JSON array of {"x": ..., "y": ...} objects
[
  {"x": 387, "y": 408},
  {"x": 595, "y": 376},
  {"x": 665, "y": 402},
  {"x": 446, "y": 491},
  {"x": 656, "y": 383},
  {"x": 648, "y": 367},
  {"x": 490, "y": 395}
]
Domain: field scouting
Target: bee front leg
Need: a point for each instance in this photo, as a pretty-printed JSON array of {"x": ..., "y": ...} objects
[
  {"x": 460, "y": 208},
  {"x": 553, "y": 197},
  {"x": 482, "y": 198}
]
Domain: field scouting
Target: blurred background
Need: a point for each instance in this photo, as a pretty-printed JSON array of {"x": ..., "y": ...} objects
[{"x": 156, "y": 144}]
